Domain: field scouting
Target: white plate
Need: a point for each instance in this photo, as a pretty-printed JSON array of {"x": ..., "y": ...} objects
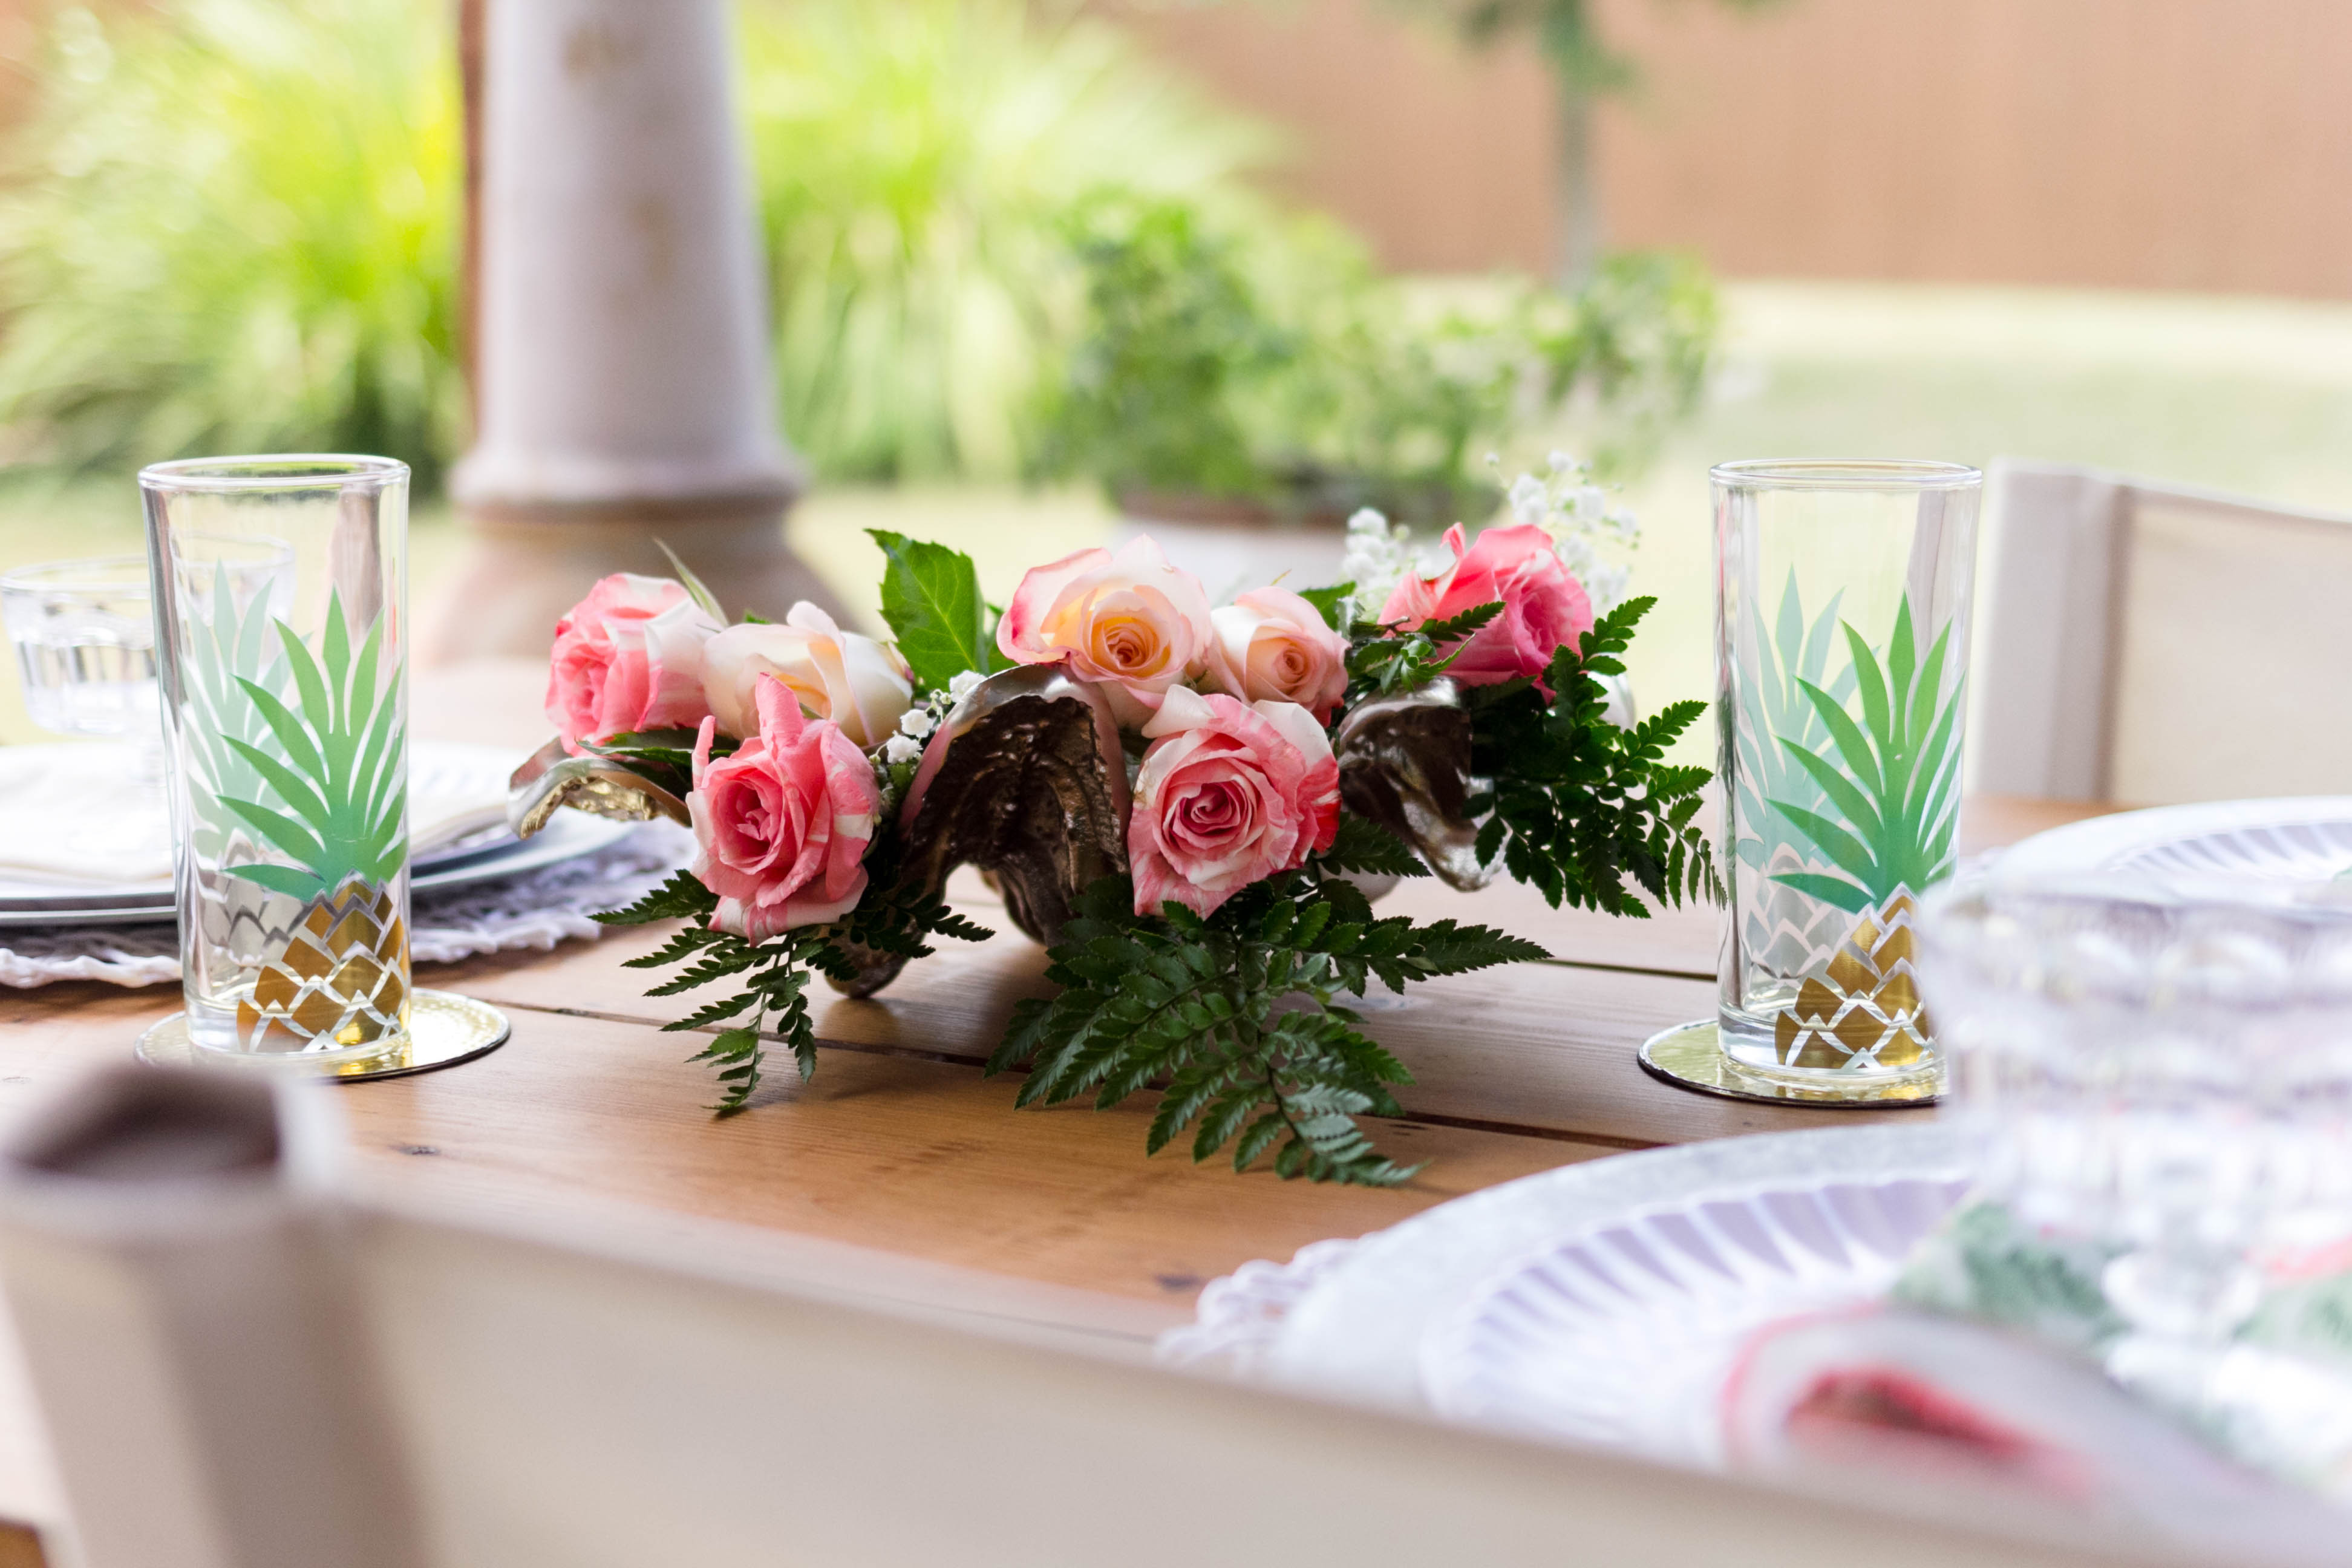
[
  {"x": 447, "y": 773},
  {"x": 2299, "y": 839},
  {"x": 1624, "y": 1334},
  {"x": 1357, "y": 1333}
]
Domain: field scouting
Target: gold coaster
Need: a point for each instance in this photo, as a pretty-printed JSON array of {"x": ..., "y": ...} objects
[
  {"x": 1690, "y": 1056},
  {"x": 444, "y": 1029}
]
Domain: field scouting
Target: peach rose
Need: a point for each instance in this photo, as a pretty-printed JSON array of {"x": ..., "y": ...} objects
[
  {"x": 780, "y": 828},
  {"x": 1132, "y": 621},
  {"x": 860, "y": 684},
  {"x": 1544, "y": 606},
  {"x": 628, "y": 657},
  {"x": 1271, "y": 646},
  {"x": 1229, "y": 793}
]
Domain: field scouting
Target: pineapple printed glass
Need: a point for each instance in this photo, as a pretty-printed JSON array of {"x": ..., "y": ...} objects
[
  {"x": 286, "y": 722},
  {"x": 1842, "y": 619}
]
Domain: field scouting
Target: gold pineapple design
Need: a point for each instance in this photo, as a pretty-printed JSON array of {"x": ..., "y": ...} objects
[
  {"x": 1862, "y": 1014},
  {"x": 339, "y": 981}
]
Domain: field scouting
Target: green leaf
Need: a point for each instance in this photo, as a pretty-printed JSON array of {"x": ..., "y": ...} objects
[
  {"x": 1365, "y": 848},
  {"x": 293, "y": 787},
  {"x": 281, "y": 832},
  {"x": 1329, "y": 602},
  {"x": 1832, "y": 890},
  {"x": 696, "y": 589},
  {"x": 292, "y": 881},
  {"x": 930, "y": 597}
]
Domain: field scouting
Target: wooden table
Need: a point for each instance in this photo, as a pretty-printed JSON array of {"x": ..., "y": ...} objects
[{"x": 1050, "y": 1219}]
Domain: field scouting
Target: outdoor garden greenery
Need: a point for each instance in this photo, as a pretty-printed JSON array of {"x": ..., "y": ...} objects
[
  {"x": 1002, "y": 244},
  {"x": 1271, "y": 363},
  {"x": 232, "y": 225}
]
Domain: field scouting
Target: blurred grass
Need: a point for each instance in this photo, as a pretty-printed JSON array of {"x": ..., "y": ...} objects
[
  {"x": 2252, "y": 396},
  {"x": 2248, "y": 396}
]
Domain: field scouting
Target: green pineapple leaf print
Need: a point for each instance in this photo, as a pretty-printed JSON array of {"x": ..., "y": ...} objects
[
  {"x": 1890, "y": 784},
  {"x": 334, "y": 761}
]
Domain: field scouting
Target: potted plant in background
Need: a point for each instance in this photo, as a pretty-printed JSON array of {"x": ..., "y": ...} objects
[{"x": 1243, "y": 386}]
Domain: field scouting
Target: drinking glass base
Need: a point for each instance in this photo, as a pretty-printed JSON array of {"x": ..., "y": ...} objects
[
  {"x": 444, "y": 1029},
  {"x": 1690, "y": 1057}
]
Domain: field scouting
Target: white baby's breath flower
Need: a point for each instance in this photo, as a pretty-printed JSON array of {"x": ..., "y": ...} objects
[
  {"x": 916, "y": 722},
  {"x": 1530, "y": 498},
  {"x": 1567, "y": 504},
  {"x": 900, "y": 749},
  {"x": 962, "y": 686},
  {"x": 1376, "y": 560}
]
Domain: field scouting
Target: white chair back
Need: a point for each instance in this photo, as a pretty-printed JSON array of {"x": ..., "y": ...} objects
[
  {"x": 2153, "y": 645},
  {"x": 518, "y": 1398}
]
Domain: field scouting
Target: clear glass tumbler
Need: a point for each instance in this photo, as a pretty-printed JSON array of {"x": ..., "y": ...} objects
[
  {"x": 85, "y": 639},
  {"x": 285, "y": 718},
  {"x": 2160, "y": 1073},
  {"x": 1842, "y": 624}
]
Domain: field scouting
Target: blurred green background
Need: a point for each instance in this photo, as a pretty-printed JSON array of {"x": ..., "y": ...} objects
[{"x": 1006, "y": 244}]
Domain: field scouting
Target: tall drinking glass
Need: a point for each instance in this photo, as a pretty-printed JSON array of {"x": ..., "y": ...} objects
[
  {"x": 285, "y": 718},
  {"x": 1841, "y": 620}
]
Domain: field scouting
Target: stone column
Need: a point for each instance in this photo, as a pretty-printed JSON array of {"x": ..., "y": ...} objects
[{"x": 622, "y": 389}]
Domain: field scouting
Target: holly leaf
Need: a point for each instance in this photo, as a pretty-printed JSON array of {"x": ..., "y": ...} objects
[{"x": 930, "y": 596}]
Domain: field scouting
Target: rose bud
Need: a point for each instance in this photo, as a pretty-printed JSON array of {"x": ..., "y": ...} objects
[
  {"x": 1130, "y": 621},
  {"x": 858, "y": 683},
  {"x": 1271, "y": 646},
  {"x": 628, "y": 657}
]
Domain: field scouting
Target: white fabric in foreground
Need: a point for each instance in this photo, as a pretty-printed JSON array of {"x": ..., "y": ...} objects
[{"x": 537, "y": 909}]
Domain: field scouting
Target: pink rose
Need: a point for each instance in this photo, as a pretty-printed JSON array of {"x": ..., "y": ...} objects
[
  {"x": 780, "y": 828},
  {"x": 628, "y": 657},
  {"x": 1271, "y": 646},
  {"x": 1229, "y": 794},
  {"x": 1544, "y": 606},
  {"x": 1130, "y": 621}
]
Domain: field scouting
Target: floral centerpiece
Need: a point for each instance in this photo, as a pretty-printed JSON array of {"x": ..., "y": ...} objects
[{"x": 1194, "y": 805}]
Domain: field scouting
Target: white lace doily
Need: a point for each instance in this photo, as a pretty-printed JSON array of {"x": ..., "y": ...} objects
[
  {"x": 1238, "y": 1316},
  {"x": 536, "y": 909}
]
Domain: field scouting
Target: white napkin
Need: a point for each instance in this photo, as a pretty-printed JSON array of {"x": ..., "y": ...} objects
[
  {"x": 85, "y": 817},
  {"x": 92, "y": 816}
]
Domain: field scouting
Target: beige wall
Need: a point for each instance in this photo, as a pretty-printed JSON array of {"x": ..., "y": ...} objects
[{"x": 2148, "y": 143}]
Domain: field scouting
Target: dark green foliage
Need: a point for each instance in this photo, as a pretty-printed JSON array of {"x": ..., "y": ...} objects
[
  {"x": 930, "y": 596},
  {"x": 773, "y": 976},
  {"x": 1579, "y": 806},
  {"x": 1380, "y": 661},
  {"x": 1236, "y": 1015},
  {"x": 1370, "y": 849},
  {"x": 1330, "y": 603}
]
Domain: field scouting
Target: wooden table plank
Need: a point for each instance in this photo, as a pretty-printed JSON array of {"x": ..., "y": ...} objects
[
  {"x": 1531, "y": 1049},
  {"x": 917, "y": 1157}
]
